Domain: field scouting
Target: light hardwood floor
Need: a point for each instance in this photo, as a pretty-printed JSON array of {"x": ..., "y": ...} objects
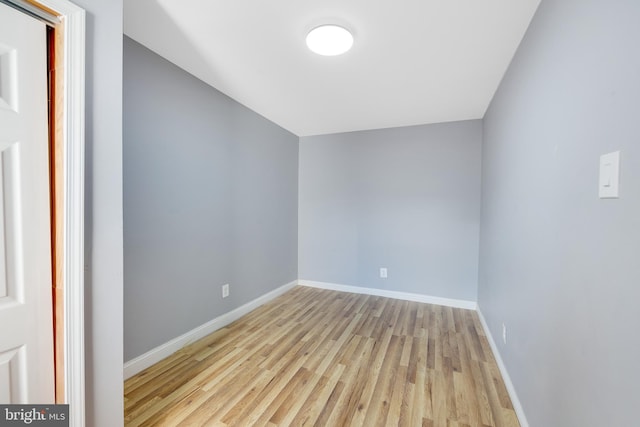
[{"x": 327, "y": 358}]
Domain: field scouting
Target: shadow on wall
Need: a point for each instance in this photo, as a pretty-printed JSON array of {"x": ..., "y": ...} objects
[{"x": 192, "y": 57}]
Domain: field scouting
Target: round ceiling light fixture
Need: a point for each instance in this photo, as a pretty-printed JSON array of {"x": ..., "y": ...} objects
[{"x": 329, "y": 40}]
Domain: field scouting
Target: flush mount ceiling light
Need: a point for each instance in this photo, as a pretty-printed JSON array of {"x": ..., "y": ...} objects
[{"x": 329, "y": 40}]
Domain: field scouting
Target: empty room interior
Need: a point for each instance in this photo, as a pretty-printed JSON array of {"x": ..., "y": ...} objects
[{"x": 436, "y": 225}]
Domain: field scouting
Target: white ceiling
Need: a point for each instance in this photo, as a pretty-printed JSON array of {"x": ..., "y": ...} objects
[{"x": 413, "y": 61}]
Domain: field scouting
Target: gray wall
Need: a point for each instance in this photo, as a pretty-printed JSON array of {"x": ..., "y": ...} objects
[
  {"x": 210, "y": 197},
  {"x": 103, "y": 220},
  {"x": 407, "y": 199},
  {"x": 559, "y": 266}
]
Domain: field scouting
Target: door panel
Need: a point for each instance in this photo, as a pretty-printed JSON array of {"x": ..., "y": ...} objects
[
  {"x": 11, "y": 287},
  {"x": 26, "y": 324},
  {"x": 8, "y": 78},
  {"x": 13, "y": 377}
]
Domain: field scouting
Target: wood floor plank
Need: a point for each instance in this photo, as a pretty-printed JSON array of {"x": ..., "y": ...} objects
[
  {"x": 310, "y": 410},
  {"x": 328, "y": 358},
  {"x": 419, "y": 380},
  {"x": 353, "y": 383},
  {"x": 367, "y": 397},
  {"x": 327, "y": 410},
  {"x": 378, "y": 408},
  {"x": 467, "y": 386},
  {"x": 397, "y": 396}
]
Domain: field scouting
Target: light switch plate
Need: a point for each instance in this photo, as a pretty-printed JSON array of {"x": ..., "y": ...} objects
[{"x": 608, "y": 187}]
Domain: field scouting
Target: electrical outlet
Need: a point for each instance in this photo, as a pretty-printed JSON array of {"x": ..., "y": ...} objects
[
  {"x": 383, "y": 273},
  {"x": 225, "y": 290},
  {"x": 504, "y": 333}
]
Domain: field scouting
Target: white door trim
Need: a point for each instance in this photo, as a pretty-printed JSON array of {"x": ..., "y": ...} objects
[
  {"x": 73, "y": 131},
  {"x": 73, "y": 216}
]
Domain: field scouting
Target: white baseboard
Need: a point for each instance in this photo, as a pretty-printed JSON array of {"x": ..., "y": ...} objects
[
  {"x": 517, "y": 406},
  {"x": 155, "y": 355},
  {"x": 458, "y": 303}
]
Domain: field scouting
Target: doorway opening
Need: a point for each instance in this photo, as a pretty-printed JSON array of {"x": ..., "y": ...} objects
[{"x": 66, "y": 81}]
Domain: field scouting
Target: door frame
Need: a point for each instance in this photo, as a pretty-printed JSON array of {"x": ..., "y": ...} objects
[{"x": 70, "y": 128}]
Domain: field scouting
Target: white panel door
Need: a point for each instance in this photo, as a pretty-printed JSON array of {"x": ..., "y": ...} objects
[{"x": 26, "y": 325}]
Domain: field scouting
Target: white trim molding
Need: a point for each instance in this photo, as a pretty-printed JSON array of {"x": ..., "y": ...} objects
[
  {"x": 73, "y": 270},
  {"x": 72, "y": 20},
  {"x": 458, "y": 303},
  {"x": 517, "y": 406},
  {"x": 155, "y": 355}
]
